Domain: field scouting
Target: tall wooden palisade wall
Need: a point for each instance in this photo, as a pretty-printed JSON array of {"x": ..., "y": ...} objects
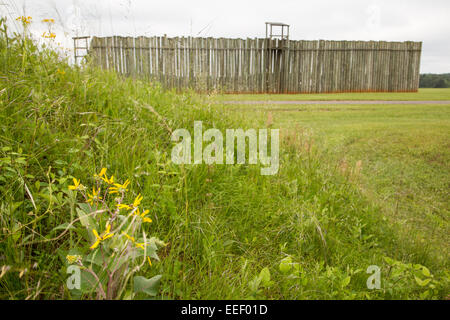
[{"x": 263, "y": 65}]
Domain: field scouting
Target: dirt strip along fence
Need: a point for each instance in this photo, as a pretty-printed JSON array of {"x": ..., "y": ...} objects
[{"x": 263, "y": 65}]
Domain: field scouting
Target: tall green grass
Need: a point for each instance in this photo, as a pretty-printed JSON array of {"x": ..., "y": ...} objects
[{"x": 223, "y": 224}]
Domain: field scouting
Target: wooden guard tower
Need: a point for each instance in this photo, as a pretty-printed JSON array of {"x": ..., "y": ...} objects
[
  {"x": 283, "y": 27},
  {"x": 278, "y": 51}
]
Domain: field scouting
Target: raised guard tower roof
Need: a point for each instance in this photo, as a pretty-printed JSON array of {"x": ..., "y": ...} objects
[{"x": 282, "y": 27}]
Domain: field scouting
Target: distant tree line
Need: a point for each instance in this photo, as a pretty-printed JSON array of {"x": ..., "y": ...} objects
[{"x": 431, "y": 80}]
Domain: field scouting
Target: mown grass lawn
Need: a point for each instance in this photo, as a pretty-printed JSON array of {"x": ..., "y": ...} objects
[
  {"x": 424, "y": 94},
  {"x": 404, "y": 152}
]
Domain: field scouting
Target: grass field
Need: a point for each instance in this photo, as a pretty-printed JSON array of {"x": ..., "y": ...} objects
[
  {"x": 211, "y": 231},
  {"x": 404, "y": 152},
  {"x": 421, "y": 95}
]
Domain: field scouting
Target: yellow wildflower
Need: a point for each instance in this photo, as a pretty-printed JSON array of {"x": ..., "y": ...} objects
[
  {"x": 107, "y": 234},
  {"x": 143, "y": 215},
  {"x": 62, "y": 72},
  {"x": 137, "y": 201},
  {"x": 148, "y": 220},
  {"x": 119, "y": 187},
  {"x": 124, "y": 206},
  {"x": 101, "y": 174},
  {"x": 25, "y": 20},
  {"x": 129, "y": 238},
  {"x": 135, "y": 204},
  {"x": 71, "y": 259},
  {"x": 108, "y": 181},
  {"x": 133, "y": 240},
  {"x": 49, "y": 35},
  {"x": 140, "y": 245},
  {"x": 76, "y": 185},
  {"x": 149, "y": 261},
  {"x": 49, "y": 20},
  {"x": 94, "y": 196}
]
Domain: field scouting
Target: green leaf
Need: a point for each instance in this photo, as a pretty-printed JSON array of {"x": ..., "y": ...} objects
[
  {"x": 424, "y": 295},
  {"x": 83, "y": 211},
  {"x": 254, "y": 284},
  {"x": 286, "y": 265},
  {"x": 84, "y": 219},
  {"x": 21, "y": 160},
  {"x": 63, "y": 226},
  {"x": 264, "y": 275},
  {"x": 346, "y": 281},
  {"x": 88, "y": 281},
  {"x": 15, "y": 205},
  {"x": 390, "y": 261},
  {"x": 85, "y": 207},
  {"x": 94, "y": 258},
  {"x": 426, "y": 272},
  {"x": 148, "y": 286},
  {"x": 421, "y": 282},
  {"x": 49, "y": 197}
]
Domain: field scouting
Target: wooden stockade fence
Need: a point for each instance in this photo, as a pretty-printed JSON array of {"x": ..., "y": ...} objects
[{"x": 263, "y": 65}]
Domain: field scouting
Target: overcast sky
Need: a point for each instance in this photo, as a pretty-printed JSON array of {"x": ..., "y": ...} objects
[{"x": 391, "y": 20}]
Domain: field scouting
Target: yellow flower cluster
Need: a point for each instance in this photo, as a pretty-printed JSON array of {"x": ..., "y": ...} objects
[
  {"x": 101, "y": 174},
  {"x": 143, "y": 215},
  {"x": 48, "y": 20},
  {"x": 119, "y": 188},
  {"x": 113, "y": 188},
  {"x": 76, "y": 185},
  {"x": 71, "y": 259},
  {"x": 135, "y": 205},
  {"x": 107, "y": 234},
  {"x": 137, "y": 201},
  {"x": 94, "y": 197},
  {"x": 49, "y": 35},
  {"x": 24, "y": 20}
]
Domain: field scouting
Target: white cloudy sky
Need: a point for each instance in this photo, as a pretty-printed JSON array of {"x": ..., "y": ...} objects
[{"x": 396, "y": 20}]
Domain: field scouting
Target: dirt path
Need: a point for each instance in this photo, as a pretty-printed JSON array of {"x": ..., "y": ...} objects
[{"x": 322, "y": 102}]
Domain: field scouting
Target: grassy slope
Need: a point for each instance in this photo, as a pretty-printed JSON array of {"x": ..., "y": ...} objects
[
  {"x": 422, "y": 95},
  {"x": 223, "y": 223}
]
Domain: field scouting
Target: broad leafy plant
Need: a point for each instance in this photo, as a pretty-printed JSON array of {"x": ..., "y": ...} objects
[{"x": 118, "y": 245}]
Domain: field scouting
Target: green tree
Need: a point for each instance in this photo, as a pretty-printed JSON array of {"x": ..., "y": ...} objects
[{"x": 441, "y": 83}]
